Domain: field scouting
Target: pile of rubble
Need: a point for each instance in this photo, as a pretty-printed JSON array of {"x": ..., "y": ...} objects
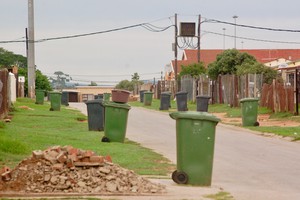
[{"x": 71, "y": 170}]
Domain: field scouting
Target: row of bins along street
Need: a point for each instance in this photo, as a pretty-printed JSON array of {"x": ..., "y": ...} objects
[
  {"x": 109, "y": 116},
  {"x": 195, "y": 130}
]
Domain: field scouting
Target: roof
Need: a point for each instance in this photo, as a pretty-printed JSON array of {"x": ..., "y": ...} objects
[{"x": 190, "y": 56}]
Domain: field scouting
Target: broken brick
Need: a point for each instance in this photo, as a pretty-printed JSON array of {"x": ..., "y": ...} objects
[
  {"x": 62, "y": 158},
  {"x": 38, "y": 154},
  {"x": 6, "y": 176},
  {"x": 108, "y": 158},
  {"x": 98, "y": 159}
]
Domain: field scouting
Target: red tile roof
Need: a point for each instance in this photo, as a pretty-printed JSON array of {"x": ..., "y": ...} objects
[{"x": 208, "y": 56}]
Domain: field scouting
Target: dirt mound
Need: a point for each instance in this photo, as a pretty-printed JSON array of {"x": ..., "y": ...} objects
[{"x": 70, "y": 170}]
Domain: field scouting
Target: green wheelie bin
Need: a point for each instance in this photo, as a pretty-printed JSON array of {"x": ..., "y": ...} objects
[
  {"x": 39, "y": 96},
  {"x": 55, "y": 101},
  {"x": 115, "y": 122},
  {"x": 148, "y": 98},
  {"x": 106, "y": 96},
  {"x": 195, "y": 140},
  {"x": 249, "y": 111}
]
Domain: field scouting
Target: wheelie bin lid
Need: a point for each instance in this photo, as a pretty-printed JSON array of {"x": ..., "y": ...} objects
[
  {"x": 203, "y": 96},
  {"x": 148, "y": 92},
  {"x": 116, "y": 105},
  {"x": 248, "y": 99},
  {"x": 166, "y": 93},
  {"x": 99, "y": 101},
  {"x": 181, "y": 92},
  {"x": 194, "y": 115},
  {"x": 54, "y": 92}
]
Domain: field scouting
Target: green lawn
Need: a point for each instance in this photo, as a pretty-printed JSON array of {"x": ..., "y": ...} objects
[{"x": 35, "y": 127}]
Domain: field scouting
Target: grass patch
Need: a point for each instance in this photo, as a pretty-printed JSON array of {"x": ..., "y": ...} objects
[
  {"x": 34, "y": 127},
  {"x": 220, "y": 196},
  {"x": 293, "y": 132},
  {"x": 2, "y": 124}
]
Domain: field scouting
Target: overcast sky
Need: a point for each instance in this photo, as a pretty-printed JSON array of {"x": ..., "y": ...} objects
[{"x": 117, "y": 55}]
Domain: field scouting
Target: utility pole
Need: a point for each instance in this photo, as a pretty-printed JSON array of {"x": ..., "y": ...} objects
[
  {"x": 224, "y": 29},
  {"x": 234, "y": 17},
  {"x": 30, "y": 53},
  {"x": 175, "y": 52},
  {"x": 199, "y": 31}
]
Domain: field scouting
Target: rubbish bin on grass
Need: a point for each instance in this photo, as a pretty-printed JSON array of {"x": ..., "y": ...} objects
[
  {"x": 116, "y": 115},
  {"x": 55, "y": 101},
  {"x": 65, "y": 98},
  {"x": 202, "y": 103},
  {"x": 96, "y": 115},
  {"x": 181, "y": 99},
  {"x": 249, "y": 111},
  {"x": 165, "y": 99},
  {"x": 106, "y": 96},
  {"x": 148, "y": 98},
  {"x": 39, "y": 96},
  {"x": 195, "y": 136},
  {"x": 142, "y": 95}
]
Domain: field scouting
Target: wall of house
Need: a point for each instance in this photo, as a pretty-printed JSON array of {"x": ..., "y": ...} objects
[{"x": 90, "y": 91}]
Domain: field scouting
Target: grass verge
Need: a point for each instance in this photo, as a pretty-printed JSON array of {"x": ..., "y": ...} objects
[
  {"x": 35, "y": 127},
  {"x": 220, "y": 196}
]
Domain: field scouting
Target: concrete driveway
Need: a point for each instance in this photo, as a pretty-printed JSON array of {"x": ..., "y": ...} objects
[{"x": 247, "y": 165}]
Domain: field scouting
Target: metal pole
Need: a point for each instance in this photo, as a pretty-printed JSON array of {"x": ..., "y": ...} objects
[
  {"x": 224, "y": 29},
  {"x": 199, "y": 31},
  {"x": 234, "y": 17},
  {"x": 30, "y": 56},
  {"x": 297, "y": 91},
  {"x": 175, "y": 52}
]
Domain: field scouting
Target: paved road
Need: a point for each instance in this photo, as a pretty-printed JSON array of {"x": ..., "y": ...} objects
[{"x": 247, "y": 165}]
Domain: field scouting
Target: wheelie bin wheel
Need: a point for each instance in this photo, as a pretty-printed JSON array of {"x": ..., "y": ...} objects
[
  {"x": 256, "y": 124},
  {"x": 179, "y": 177},
  {"x": 105, "y": 139}
]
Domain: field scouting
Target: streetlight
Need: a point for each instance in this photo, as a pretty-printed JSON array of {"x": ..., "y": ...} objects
[
  {"x": 224, "y": 29},
  {"x": 234, "y": 17}
]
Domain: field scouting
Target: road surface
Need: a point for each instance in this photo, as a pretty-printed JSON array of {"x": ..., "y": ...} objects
[{"x": 247, "y": 165}]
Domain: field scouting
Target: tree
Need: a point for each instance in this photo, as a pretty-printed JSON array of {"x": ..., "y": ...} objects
[
  {"x": 93, "y": 83},
  {"x": 258, "y": 68},
  {"x": 41, "y": 81},
  {"x": 61, "y": 79},
  {"x": 130, "y": 85},
  {"x": 125, "y": 85},
  {"x": 135, "y": 77},
  {"x": 228, "y": 62},
  {"x": 8, "y": 58},
  {"x": 194, "y": 70}
]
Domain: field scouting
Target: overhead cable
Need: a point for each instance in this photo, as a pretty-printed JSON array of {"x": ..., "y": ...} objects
[
  {"x": 254, "y": 27},
  {"x": 253, "y": 39}
]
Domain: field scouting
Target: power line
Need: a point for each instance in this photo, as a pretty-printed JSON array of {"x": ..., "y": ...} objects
[
  {"x": 253, "y": 39},
  {"x": 254, "y": 27},
  {"x": 148, "y": 26}
]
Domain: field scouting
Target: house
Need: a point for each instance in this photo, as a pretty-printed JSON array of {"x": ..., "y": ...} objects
[{"x": 276, "y": 58}]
